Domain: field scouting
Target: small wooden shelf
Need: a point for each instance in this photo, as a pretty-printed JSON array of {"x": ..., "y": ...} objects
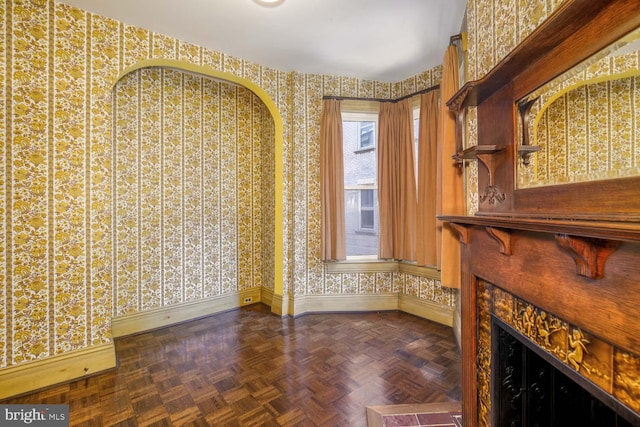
[
  {"x": 473, "y": 153},
  {"x": 490, "y": 156},
  {"x": 525, "y": 151},
  {"x": 528, "y": 148}
]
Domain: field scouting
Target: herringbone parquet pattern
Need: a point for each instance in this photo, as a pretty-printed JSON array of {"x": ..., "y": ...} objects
[{"x": 248, "y": 367}]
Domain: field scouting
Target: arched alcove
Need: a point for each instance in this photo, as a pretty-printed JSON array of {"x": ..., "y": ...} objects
[{"x": 196, "y": 170}]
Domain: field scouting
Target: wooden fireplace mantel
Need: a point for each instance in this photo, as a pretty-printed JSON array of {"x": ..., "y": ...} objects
[{"x": 572, "y": 250}]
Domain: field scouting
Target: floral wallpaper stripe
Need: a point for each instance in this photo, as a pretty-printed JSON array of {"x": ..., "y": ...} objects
[
  {"x": 33, "y": 291},
  {"x": 102, "y": 65},
  {"x": 163, "y": 195},
  {"x": 5, "y": 191}
]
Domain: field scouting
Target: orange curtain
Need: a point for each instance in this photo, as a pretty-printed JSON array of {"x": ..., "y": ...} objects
[
  {"x": 387, "y": 180},
  {"x": 397, "y": 199},
  {"x": 426, "y": 248},
  {"x": 450, "y": 196},
  {"x": 332, "y": 182}
]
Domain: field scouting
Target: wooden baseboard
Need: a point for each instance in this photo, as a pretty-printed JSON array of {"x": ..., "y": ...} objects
[
  {"x": 374, "y": 302},
  {"x": 164, "y": 316},
  {"x": 344, "y": 303},
  {"x": 433, "y": 311},
  {"x": 266, "y": 296},
  {"x": 27, "y": 377},
  {"x": 280, "y": 305}
]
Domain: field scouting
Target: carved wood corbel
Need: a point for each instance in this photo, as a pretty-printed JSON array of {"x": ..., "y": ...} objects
[
  {"x": 503, "y": 237},
  {"x": 590, "y": 255},
  {"x": 463, "y": 230},
  {"x": 491, "y": 156},
  {"x": 456, "y": 105}
]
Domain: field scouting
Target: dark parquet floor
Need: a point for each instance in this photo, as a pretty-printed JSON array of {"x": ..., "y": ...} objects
[{"x": 248, "y": 367}]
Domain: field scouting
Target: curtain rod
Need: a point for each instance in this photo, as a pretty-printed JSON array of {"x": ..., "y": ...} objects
[
  {"x": 455, "y": 38},
  {"x": 355, "y": 98}
]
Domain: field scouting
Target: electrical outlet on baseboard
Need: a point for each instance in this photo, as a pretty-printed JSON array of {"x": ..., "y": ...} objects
[{"x": 248, "y": 300}]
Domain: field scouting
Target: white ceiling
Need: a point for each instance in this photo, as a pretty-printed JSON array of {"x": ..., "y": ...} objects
[{"x": 385, "y": 40}]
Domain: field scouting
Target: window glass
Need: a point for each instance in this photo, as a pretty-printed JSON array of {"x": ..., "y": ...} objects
[
  {"x": 366, "y": 209},
  {"x": 360, "y": 184},
  {"x": 367, "y": 134}
]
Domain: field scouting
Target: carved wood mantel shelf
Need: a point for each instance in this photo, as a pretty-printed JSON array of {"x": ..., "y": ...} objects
[
  {"x": 612, "y": 231},
  {"x": 589, "y": 243}
]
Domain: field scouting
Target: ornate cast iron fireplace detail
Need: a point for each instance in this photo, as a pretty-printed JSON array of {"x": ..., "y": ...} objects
[
  {"x": 530, "y": 389},
  {"x": 535, "y": 368}
]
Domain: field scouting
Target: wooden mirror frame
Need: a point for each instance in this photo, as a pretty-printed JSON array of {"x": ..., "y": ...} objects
[{"x": 575, "y": 31}]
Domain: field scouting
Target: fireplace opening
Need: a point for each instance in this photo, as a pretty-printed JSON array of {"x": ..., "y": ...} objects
[{"x": 530, "y": 388}]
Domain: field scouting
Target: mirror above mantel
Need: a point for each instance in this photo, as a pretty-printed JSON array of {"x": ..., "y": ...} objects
[{"x": 581, "y": 126}]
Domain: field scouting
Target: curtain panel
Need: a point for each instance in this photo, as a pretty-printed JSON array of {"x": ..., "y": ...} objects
[
  {"x": 332, "y": 182},
  {"x": 397, "y": 197},
  {"x": 450, "y": 194},
  {"x": 426, "y": 247}
]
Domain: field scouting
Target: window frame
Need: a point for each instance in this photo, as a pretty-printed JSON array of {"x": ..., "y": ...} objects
[{"x": 356, "y": 110}]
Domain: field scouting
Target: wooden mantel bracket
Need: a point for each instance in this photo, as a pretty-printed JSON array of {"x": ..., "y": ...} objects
[
  {"x": 491, "y": 156},
  {"x": 463, "y": 231},
  {"x": 456, "y": 105},
  {"x": 503, "y": 237},
  {"x": 590, "y": 255}
]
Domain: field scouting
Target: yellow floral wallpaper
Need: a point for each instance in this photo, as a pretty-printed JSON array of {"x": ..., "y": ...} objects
[
  {"x": 495, "y": 28},
  {"x": 125, "y": 192},
  {"x": 192, "y": 158}
]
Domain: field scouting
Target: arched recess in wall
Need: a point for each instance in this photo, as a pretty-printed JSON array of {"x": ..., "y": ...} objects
[{"x": 276, "y": 172}]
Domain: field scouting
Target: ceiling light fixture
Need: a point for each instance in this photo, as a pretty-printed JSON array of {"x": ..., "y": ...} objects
[{"x": 269, "y": 3}]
